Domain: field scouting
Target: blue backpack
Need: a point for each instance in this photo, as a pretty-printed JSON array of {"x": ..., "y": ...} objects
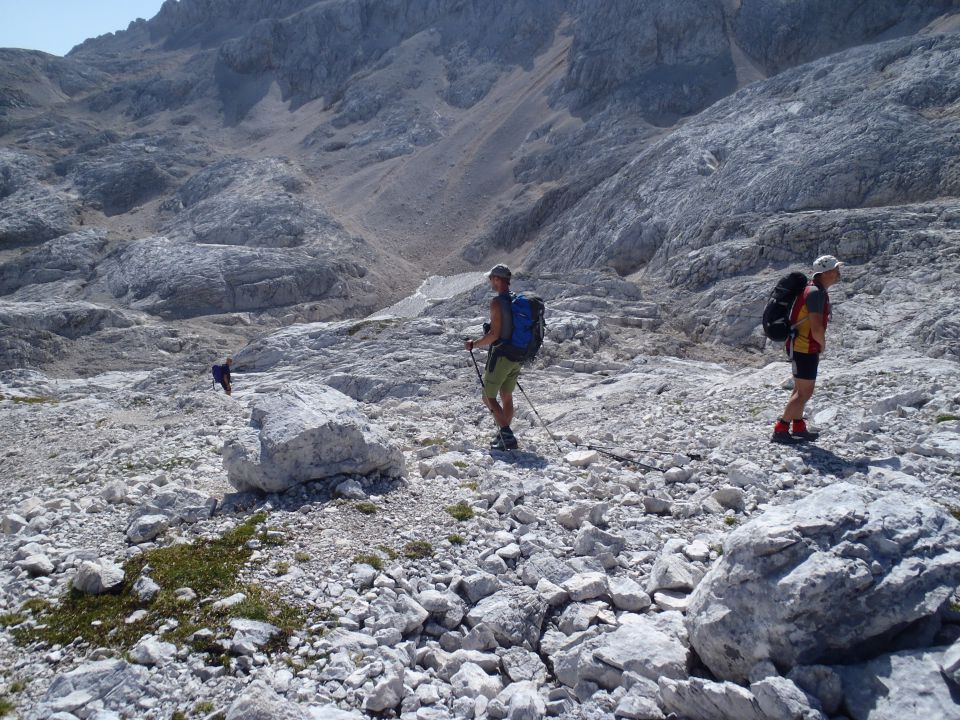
[
  {"x": 529, "y": 326},
  {"x": 217, "y": 373}
]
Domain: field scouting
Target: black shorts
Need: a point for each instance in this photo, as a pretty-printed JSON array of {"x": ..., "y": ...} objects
[{"x": 805, "y": 365}]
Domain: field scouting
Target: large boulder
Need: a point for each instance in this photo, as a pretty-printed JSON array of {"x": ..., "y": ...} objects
[
  {"x": 513, "y": 614},
  {"x": 305, "y": 433},
  {"x": 96, "y": 578},
  {"x": 921, "y": 689},
  {"x": 113, "y": 682},
  {"x": 652, "y": 646},
  {"x": 769, "y": 699},
  {"x": 261, "y": 702},
  {"x": 886, "y": 559}
]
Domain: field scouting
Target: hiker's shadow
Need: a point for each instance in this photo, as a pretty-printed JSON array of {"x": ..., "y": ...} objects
[
  {"x": 520, "y": 458},
  {"x": 829, "y": 463}
]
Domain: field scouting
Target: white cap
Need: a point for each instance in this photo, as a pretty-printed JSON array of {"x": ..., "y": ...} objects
[{"x": 825, "y": 263}]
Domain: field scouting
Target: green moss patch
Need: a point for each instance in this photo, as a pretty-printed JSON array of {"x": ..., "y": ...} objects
[
  {"x": 210, "y": 567},
  {"x": 367, "y": 508},
  {"x": 461, "y": 511},
  {"x": 947, "y": 418},
  {"x": 418, "y": 549},
  {"x": 455, "y": 539},
  {"x": 34, "y": 400},
  {"x": 374, "y": 561}
]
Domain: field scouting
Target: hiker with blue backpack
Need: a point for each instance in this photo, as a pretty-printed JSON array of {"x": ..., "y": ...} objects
[
  {"x": 221, "y": 374},
  {"x": 514, "y": 335}
]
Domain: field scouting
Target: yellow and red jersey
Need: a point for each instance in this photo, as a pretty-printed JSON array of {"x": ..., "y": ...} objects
[{"x": 814, "y": 298}]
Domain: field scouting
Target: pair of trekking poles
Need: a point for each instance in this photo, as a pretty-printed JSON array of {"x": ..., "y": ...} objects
[{"x": 602, "y": 449}]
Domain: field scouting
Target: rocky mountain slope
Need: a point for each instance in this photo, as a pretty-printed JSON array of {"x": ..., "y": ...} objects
[
  {"x": 377, "y": 143},
  {"x": 335, "y": 540}
]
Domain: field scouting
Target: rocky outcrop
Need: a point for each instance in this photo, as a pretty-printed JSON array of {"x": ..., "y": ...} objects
[
  {"x": 666, "y": 58},
  {"x": 182, "y": 279},
  {"x": 305, "y": 433},
  {"x": 921, "y": 689},
  {"x": 887, "y": 559},
  {"x": 311, "y": 53},
  {"x": 806, "y": 141},
  {"x": 70, "y": 320},
  {"x": 68, "y": 257},
  {"x": 31, "y": 211},
  {"x": 252, "y": 203},
  {"x": 783, "y": 33}
]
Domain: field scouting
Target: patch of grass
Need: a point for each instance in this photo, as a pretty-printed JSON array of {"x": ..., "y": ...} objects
[
  {"x": 953, "y": 510},
  {"x": 418, "y": 549},
  {"x": 281, "y": 568},
  {"x": 18, "y": 686},
  {"x": 469, "y": 485},
  {"x": 374, "y": 561},
  {"x": 34, "y": 400},
  {"x": 210, "y": 567},
  {"x": 367, "y": 508},
  {"x": 301, "y": 556},
  {"x": 456, "y": 539},
  {"x": 388, "y": 551},
  {"x": 6, "y": 707},
  {"x": 460, "y": 464},
  {"x": 730, "y": 520},
  {"x": 178, "y": 715},
  {"x": 174, "y": 462},
  {"x": 35, "y": 605},
  {"x": 204, "y": 707},
  {"x": 272, "y": 537},
  {"x": 10, "y": 619},
  {"x": 461, "y": 511},
  {"x": 432, "y": 441},
  {"x": 947, "y": 418}
]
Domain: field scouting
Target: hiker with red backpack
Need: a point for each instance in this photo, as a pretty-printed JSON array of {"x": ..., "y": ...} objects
[
  {"x": 514, "y": 335},
  {"x": 806, "y": 329}
]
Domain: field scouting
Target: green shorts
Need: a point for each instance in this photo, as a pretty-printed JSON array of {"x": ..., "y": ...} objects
[{"x": 502, "y": 377}]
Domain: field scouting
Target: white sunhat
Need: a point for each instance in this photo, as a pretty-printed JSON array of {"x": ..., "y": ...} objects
[{"x": 825, "y": 263}]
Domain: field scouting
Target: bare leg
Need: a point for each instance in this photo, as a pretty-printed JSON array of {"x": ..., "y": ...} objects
[
  {"x": 802, "y": 392},
  {"x": 499, "y": 413}
]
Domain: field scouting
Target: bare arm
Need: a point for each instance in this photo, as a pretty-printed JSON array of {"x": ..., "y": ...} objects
[
  {"x": 818, "y": 331},
  {"x": 494, "y": 333}
]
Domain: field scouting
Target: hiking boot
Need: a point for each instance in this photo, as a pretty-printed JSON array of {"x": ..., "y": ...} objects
[
  {"x": 800, "y": 431},
  {"x": 781, "y": 432},
  {"x": 504, "y": 440},
  {"x": 784, "y": 438}
]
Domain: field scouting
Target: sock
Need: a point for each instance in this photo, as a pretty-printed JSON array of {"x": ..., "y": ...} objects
[
  {"x": 782, "y": 426},
  {"x": 800, "y": 425}
]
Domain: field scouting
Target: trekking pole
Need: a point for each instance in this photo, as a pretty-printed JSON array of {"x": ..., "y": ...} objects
[
  {"x": 621, "y": 458},
  {"x": 692, "y": 456},
  {"x": 525, "y": 397}
]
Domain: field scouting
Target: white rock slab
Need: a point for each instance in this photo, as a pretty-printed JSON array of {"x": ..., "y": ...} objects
[{"x": 303, "y": 433}]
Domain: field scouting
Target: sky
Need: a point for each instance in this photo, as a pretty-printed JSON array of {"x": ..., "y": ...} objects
[{"x": 55, "y": 26}]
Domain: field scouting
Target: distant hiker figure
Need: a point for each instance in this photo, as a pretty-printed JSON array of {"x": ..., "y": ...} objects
[
  {"x": 500, "y": 374},
  {"x": 221, "y": 374},
  {"x": 809, "y": 317}
]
